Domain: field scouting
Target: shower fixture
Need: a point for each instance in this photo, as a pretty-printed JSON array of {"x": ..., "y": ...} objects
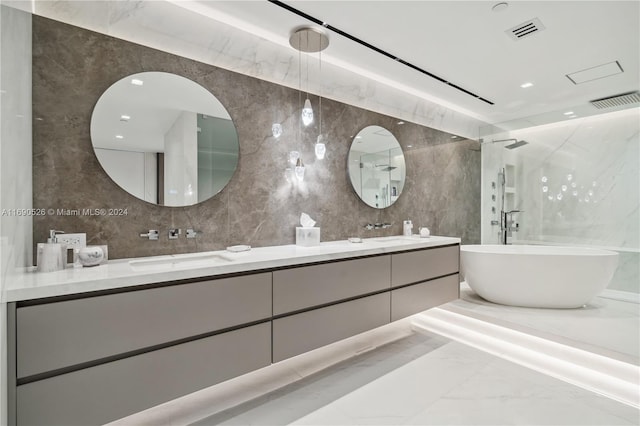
[{"x": 517, "y": 143}]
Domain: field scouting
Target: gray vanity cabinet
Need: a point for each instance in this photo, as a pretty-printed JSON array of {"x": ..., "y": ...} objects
[
  {"x": 420, "y": 265},
  {"x": 301, "y": 288},
  {"x": 423, "y": 279},
  {"x": 93, "y": 358},
  {"x": 67, "y": 333},
  {"x": 296, "y": 334},
  {"x": 419, "y": 297},
  {"x": 109, "y": 391}
]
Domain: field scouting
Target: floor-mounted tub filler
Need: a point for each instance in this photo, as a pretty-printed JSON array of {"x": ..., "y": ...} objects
[{"x": 537, "y": 276}]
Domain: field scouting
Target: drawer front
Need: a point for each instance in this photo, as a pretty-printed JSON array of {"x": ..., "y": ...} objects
[
  {"x": 416, "y": 266},
  {"x": 420, "y": 297},
  {"x": 299, "y": 288},
  {"x": 110, "y": 391},
  {"x": 62, "y": 334},
  {"x": 303, "y": 332}
]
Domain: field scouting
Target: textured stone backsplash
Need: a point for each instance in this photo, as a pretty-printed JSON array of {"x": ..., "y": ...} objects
[{"x": 72, "y": 67}]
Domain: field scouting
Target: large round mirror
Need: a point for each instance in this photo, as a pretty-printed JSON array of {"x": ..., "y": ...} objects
[
  {"x": 376, "y": 167},
  {"x": 164, "y": 139}
]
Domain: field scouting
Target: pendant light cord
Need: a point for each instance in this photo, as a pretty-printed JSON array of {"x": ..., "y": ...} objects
[{"x": 320, "y": 88}]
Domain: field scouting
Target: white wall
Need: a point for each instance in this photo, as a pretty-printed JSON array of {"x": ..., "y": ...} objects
[
  {"x": 181, "y": 161},
  {"x": 597, "y": 157},
  {"x": 15, "y": 163}
]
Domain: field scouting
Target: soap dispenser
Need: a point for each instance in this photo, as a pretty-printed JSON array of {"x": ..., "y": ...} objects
[
  {"x": 52, "y": 255},
  {"x": 407, "y": 228}
]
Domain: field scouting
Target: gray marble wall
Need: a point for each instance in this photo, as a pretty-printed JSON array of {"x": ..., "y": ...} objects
[{"x": 71, "y": 69}]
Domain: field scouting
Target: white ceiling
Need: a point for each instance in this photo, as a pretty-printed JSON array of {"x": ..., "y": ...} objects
[{"x": 464, "y": 42}]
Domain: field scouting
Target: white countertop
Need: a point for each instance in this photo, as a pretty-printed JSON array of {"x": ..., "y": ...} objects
[{"x": 124, "y": 273}]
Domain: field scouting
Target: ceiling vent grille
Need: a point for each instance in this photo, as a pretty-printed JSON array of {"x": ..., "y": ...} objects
[
  {"x": 526, "y": 29},
  {"x": 617, "y": 100}
]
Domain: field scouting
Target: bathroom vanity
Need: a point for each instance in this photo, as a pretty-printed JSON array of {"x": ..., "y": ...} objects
[{"x": 92, "y": 345}]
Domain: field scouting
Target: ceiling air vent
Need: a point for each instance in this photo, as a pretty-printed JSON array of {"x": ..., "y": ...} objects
[
  {"x": 617, "y": 100},
  {"x": 526, "y": 29}
]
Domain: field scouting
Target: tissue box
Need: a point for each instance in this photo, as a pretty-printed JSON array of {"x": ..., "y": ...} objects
[{"x": 307, "y": 236}]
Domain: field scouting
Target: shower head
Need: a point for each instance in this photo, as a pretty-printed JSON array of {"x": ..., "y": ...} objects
[
  {"x": 516, "y": 144},
  {"x": 385, "y": 167}
]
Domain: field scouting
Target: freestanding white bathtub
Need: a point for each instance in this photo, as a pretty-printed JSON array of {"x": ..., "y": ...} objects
[{"x": 537, "y": 276}]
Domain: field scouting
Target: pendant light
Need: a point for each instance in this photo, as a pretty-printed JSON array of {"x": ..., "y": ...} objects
[{"x": 308, "y": 40}]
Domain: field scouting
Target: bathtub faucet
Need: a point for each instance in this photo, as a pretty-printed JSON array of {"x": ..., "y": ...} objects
[{"x": 507, "y": 225}]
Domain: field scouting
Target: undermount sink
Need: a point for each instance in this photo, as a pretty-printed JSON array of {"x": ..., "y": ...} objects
[
  {"x": 180, "y": 261},
  {"x": 396, "y": 239}
]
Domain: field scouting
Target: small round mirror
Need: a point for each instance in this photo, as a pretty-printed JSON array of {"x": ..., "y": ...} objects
[
  {"x": 376, "y": 167},
  {"x": 164, "y": 139}
]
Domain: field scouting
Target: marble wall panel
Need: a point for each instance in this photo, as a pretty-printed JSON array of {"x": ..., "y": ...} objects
[
  {"x": 15, "y": 164},
  {"x": 260, "y": 206}
]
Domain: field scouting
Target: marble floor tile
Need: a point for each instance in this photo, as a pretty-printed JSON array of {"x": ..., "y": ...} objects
[
  {"x": 605, "y": 326},
  {"x": 488, "y": 391},
  {"x": 319, "y": 390}
]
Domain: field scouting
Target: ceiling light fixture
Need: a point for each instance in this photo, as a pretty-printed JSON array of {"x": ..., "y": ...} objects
[
  {"x": 119, "y": 137},
  {"x": 137, "y": 82},
  {"x": 568, "y": 113},
  {"x": 125, "y": 117},
  {"x": 526, "y": 85}
]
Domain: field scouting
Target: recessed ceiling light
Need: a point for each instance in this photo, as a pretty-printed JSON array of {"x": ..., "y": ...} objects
[
  {"x": 454, "y": 137},
  {"x": 409, "y": 146},
  {"x": 119, "y": 137},
  {"x": 137, "y": 82},
  {"x": 499, "y": 7},
  {"x": 400, "y": 122},
  {"x": 573, "y": 116},
  {"x": 525, "y": 85},
  {"x": 125, "y": 118},
  {"x": 568, "y": 113}
]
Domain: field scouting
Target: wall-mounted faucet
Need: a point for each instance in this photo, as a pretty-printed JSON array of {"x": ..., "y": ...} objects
[
  {"x": 507, "y": 225},
  {"x": 174, "y": 233},
  {"x": 153, "y": 234},
  {"x": 371, "y": 226},
  {"x": 191, "y": 233}
]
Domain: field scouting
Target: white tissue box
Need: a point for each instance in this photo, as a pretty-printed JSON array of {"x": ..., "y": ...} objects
[{"x": 307, "y": 236}]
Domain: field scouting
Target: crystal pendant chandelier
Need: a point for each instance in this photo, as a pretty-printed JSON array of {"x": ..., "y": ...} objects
[{"x": 308, "y": 40}]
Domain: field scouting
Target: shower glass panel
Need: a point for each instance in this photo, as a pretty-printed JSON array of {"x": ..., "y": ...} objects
[
  {"x": 380, "y": 176},
  {"x": 575, "y": 183}
]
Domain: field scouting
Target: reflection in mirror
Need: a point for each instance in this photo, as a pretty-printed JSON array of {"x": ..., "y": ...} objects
[
  {"x": 164, "y": 139},
  {"x": 377, "y": 167}
]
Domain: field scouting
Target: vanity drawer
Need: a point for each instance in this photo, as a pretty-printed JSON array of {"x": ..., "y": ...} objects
[
  {"x": 304, "y": 287},
  {"x": 416, "y": 298},
  {"x": 61, "y": 334},
  {"x": 416, "y": 266},
  {"x": 107, "y": 392},
  {"x": 303, "y": 332}
]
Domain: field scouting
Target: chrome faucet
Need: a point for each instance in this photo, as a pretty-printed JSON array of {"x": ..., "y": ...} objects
[
  {"x": 371, "y": 226},
  {"x": 507, "y": 225},
  {"x": 151, "y": 235}
]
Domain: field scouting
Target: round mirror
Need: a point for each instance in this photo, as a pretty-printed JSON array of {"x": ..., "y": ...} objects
[
  {"x": 164, "y": 139},
  {"x": 376, "y": 167}
]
